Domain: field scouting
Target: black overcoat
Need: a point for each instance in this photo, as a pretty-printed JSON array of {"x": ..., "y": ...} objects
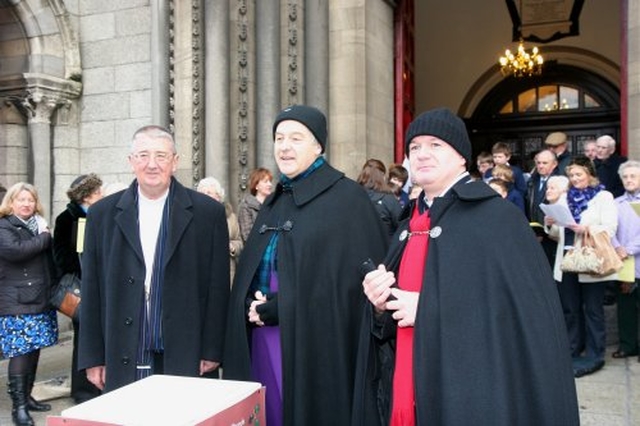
[
  {"x": 27, "y": 272},
  {"x": 334, "y": 228},
  {"x": 490, "y": 343},
  {"x": 195, "y": 291}
]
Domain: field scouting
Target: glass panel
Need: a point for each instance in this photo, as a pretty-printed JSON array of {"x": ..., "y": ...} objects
[
  {"x": 568, "y": 98},
  {"x": 548, "y": 98},
  {"x": 507, "y": 108},
  {"x": 589, "y": 102},
  {"x": 532, "y": 145},
  {"x": 527, "y": 101}
]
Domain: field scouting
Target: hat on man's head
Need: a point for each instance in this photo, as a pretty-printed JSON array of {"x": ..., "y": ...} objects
[
  {"x": 556, "y": 139},
  {"x": 83, "y": 186},
  {"x": 311, "y": 117},
  {"x": 443, "y": 124}
]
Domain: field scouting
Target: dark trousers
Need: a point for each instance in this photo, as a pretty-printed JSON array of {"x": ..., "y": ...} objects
[
  {"x": 81, "y": 388},
  {"x": 628, "y": 309},
  {"x": 583, "y": 308}
]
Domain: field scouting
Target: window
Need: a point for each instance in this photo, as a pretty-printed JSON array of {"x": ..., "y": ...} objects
[{"x": 548, "y": 99}]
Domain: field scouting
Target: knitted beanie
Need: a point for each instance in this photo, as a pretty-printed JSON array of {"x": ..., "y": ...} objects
[
  {"x": 443, "y": 124},
  {"x": 311, "y": 117}
]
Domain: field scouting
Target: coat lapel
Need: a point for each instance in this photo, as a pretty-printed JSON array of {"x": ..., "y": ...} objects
[
  {"x": 180, "y": 216},
  {"x": 127, "y": 220}
]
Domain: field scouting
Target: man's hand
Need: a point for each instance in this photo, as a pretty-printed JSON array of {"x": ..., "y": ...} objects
[
  {"x": 96, "y": 375},
  {"x": 253, "y": 315},
  {"x": 377, "y": 287},
  {"x": 207, "y": 366},
  {"x": 405, "y": 307}
]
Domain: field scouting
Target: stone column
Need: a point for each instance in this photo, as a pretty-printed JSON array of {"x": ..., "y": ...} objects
[
  {"x": 316, "y": 40},
  {"x": 267, "y": 78},
  {"x": 361, "y": 90},
  {"x": 217, "y": 111},
  {"x": 160, "y": 62},
  {"x": 633, "y": 74},
  {"x": 40, "y": 108}
]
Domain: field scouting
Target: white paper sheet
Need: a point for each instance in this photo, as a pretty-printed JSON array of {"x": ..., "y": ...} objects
[{"x": 560, "y": 212}]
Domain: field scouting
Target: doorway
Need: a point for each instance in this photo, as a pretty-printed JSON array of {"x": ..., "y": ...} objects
[{"x": 523, "y": 111}]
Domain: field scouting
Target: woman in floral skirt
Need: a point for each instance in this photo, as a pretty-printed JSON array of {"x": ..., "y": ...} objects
[{"x": 27, "y": 321}]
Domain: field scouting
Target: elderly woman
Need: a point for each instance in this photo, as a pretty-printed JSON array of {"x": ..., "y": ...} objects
[
  {"x": 627, "y": 245},
  {"x": 582, "y": 295},
  {"x": 27, "y": 322},
  {"x": 83, "y": 192},
  {"x": 211, "y": 187}
]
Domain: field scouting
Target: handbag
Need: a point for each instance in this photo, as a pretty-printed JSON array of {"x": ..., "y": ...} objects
[
  {"x": 601, "y": 243},
  {"x": 592, "y": 254},
  {"x": 66, "y": 295}
]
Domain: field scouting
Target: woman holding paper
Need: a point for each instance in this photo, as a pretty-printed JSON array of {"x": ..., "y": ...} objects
[
  {"x": 627, "y": 245},
  {"x": 582, "y": 295}
]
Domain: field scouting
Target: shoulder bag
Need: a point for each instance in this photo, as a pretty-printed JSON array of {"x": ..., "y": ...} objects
[
  {"x": 592, "y": 254},
  {"x": 65, "y": 296}
]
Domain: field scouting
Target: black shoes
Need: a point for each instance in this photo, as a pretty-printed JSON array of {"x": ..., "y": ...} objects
[{"x": 584, "y": 366}]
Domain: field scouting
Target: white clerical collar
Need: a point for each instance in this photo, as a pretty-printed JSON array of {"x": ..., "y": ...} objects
[{"x": 456, "y": 180}]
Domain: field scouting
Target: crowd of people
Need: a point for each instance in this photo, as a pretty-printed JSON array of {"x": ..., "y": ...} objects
[{"x": 359, "y": 302}]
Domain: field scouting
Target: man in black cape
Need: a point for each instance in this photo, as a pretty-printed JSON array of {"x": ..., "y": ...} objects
[
  {"x": 489, "y": 342},
  {"x": 297, "y": 303}
]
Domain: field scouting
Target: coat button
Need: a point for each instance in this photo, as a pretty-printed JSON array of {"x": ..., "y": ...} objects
[
  {"x": 131, "y": 280},
  {"x": 125, "y": 360},
  {"x": 128, "y": 321}
]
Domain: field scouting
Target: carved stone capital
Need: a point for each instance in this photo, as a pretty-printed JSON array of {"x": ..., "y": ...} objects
[
  {"x": 38, "y": 95},
  {"x": 40, "y": 106}
]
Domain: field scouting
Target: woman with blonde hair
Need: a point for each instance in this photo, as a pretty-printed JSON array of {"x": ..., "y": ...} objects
[
  {"x": 27, "y": 322},
  {"x": 582, "y": 295}
]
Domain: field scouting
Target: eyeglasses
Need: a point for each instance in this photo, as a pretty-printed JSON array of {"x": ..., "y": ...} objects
[{"x": 143, "y": 157}]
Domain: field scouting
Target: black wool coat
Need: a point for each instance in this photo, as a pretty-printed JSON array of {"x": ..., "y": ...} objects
[
  {"x": 65, "y": 236},
  {"x": 27, "y": 272},
  {"x": 195, "y": 291},
  {"x": 334, "y": 228},
  {"x": 490, "y": 343}
]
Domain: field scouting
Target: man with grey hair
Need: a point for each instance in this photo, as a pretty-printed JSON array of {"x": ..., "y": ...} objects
[
  {"x": 607, "y": 163},
  {"x": 546, "y": 166},
  {"x": 590, "y": 148},
  {"x": 155, "y": 274}
]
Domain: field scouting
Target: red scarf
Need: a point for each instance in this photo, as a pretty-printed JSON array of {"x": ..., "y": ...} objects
[{"x": 410, "y": 278}]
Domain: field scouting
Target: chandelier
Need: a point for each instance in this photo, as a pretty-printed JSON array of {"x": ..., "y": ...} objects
[{"x": 522, "y": 63}]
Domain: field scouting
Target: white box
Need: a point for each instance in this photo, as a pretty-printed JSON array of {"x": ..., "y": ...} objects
[{"x": 161, "y": 400}]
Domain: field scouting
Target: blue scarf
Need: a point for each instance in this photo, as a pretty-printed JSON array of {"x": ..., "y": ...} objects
[{"x": 579, "y": 198}]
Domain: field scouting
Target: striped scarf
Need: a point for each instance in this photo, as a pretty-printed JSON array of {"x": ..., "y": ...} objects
[{"x": 151, "y": 331}]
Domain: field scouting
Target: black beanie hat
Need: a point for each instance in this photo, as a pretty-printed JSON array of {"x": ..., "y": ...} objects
[
  {"x": 443, "y": 124},
  {"x": 311, "y": 117}
]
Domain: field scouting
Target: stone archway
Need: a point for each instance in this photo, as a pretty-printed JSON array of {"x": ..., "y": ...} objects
[
  {"x": 41, "y": 72},
  {"x": 565, "y": 55}
]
